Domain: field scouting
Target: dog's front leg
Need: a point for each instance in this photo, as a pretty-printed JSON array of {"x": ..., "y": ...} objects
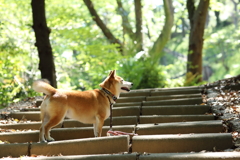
[
  {"x": 41, "y": 134},
  {"x": 97, "y": 126}
]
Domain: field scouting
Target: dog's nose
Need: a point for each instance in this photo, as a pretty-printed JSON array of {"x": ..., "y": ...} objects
[{"x": 132, "y": 84}]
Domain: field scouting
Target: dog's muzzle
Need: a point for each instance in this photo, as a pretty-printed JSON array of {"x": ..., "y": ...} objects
[{"x": 127, "y": 86}]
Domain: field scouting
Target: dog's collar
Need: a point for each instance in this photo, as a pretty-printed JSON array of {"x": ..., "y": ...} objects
[{"x": 110, "y": 94}]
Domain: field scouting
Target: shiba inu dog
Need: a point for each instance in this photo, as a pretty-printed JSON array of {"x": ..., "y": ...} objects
[{"x": 91, "y": 106}]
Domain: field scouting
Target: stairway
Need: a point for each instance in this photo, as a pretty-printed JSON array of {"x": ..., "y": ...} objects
[{"x": 171, "y": 123}]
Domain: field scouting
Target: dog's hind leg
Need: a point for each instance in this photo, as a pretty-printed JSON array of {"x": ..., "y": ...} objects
[
  {"x": 42, "y": 130},
  {"x": 44, "y": 118},
  {"x": 53, "y": 121}
]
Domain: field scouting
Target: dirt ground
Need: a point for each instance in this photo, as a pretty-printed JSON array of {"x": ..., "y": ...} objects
[{"x": 224, "y": 98}]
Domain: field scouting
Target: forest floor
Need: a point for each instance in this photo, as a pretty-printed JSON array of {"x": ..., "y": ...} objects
[{"x": 223, "y": 96}]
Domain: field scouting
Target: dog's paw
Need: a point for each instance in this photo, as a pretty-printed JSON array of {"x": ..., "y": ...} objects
[
  {"x": 42, "y": 141},
  {"x": 50, "y": 139}
]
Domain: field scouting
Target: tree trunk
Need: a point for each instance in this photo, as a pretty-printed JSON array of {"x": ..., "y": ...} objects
[
  {"x": 46, "y": 64},
  {"x": 165, "y": 35},
  {"x": 197, "y": 20},
  {"x": 138, "y": 17}
]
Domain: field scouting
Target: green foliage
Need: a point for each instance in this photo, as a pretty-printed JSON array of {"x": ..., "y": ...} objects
[
  {"x": 83, "y": 56},
  {"x": 13, "y": 88},
  {"x": 221, "y": 52},
  {"x": 142, "y": 72}
]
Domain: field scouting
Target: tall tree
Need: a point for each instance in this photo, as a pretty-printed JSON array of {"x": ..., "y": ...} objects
[
  {"x": 137, "y": 36},
  {"x": 46, "y": 61},
  {"x": 197, "y": 18}
]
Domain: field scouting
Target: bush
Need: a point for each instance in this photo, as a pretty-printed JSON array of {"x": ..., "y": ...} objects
[
  {"x": 142, "y": 73},
  {"x": 13, "y": 86}
]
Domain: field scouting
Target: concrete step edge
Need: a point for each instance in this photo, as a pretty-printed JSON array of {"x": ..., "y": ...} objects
[
  {"x": 143, "y": 119},
  {"x": 153, "y": 156},
  {"x": 185, "y": 101},
  {"x": 181, "y": 142},
  {"x": 60, "y": 134},
  {"x": 146, "y": 92},
  {"x": 214, "y": 126},
  {"x": 101, "y": 145},
  {"x": 152, "y": 119},
  {"x": 143, "y": 98},
  {"x": 172, "y": 97},
  {"x": 68, "y": 123},
  {"x": 175, "y": 110},
  {"x": 192, "y": 156}
]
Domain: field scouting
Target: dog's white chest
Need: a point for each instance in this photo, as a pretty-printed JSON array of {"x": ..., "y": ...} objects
[{"x": 108, "y": 112}]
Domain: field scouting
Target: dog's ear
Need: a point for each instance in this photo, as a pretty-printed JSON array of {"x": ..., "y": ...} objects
[{"x": 112, "y": 74}]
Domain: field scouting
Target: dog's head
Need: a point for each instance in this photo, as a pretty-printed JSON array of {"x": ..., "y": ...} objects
[{"x": 116, "y": 84}]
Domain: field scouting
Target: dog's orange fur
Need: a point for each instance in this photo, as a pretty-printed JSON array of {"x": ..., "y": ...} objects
[{"x": 88, "y": 106}]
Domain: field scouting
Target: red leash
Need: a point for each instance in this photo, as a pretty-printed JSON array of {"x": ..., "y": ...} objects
[{"x": 116, "y": 133}]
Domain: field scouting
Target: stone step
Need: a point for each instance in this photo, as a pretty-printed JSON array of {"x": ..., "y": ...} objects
[
  {"x": 147, "y": 156},
  {"x": 60, "y": 134},
  {"x": 118, "y": 156},
  {"x": 168, "y": 97},
  {"x": 68, "y": 123},
  {"x": 141, "y": 129},
  {"x": 181, "y": 142},
  {"x": 173, "y": 91},
  {"x": 175, "y": 110},
  {"x": 160, "y": 100},
  {"x": 154, "y": 98},
  {"x": 191, "y": 156},
  {"x": 100, "y": 145},
  {"x": 30, "y": 109},
  {"x": 167, "y": 121},
  {"x": 214, "y": 126},
  {"x": 162, "y": 91},
  {"x": 131, "y": 99},
  {"x": 133, "y": 111},
  {"x": 117, "y": 111},
  {"x": 185, "y": 101},
  {"x": 123, "y": 120},
  {"x": 29, "y": 115},
  {"x": 146, "y": 119},
  {"x": 127, "y": 104}
]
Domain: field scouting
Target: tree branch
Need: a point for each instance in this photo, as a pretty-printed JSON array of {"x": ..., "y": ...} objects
[
  {"x": 191, "y": 10},
  {"x": 108, "y": 34},
  {"x": 159, "y": 44},
  {"x": 138, "y": 17},
  {"x": 125, "y": 23}
]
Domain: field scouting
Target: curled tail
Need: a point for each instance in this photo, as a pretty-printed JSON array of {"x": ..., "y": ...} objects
[{"x": 43, "y": 85}]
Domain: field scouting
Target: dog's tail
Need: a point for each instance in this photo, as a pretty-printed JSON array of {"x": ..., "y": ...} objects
[{"x": 42, "y": 85}]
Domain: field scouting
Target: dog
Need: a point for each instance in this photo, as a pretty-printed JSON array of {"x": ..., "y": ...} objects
[{"x": 91, "y": 107}]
